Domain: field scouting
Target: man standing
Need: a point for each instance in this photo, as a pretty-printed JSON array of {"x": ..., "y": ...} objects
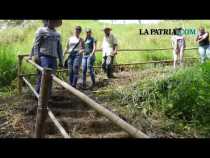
[
  {"x": 47, "y": 48},
  {"x": 109, "y": 47},
  {"x": 45, "y": 23}
]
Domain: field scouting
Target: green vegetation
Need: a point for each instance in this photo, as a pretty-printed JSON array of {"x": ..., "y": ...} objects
[{"x": 181, "y": 100}]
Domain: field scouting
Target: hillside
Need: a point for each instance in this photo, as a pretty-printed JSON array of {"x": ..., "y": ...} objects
[{"x": 161, "y": 101}]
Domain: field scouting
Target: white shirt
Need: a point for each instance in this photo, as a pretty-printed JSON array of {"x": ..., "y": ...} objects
[
  {"x": 108, "y": 44},
  {"x": 178, "y": 41},
  {"x": 72, "y": 42}
]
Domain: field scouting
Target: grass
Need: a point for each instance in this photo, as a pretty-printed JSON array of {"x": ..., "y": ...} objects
[{"x": 178, "y": 100}]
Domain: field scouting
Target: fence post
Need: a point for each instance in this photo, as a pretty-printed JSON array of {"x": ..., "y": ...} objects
[
  {"x": 42, "y": 111},
  {"x": 19, "y": 79}
]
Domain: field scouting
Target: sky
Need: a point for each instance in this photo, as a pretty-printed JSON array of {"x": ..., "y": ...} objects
[{"x": 130, "y": 21}]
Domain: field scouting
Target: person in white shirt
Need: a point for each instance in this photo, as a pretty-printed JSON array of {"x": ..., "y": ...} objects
[
  {"x": 178, "y": 44},
  {"x": 75, "y": 49},
  {"x": 109, "y": 48}
]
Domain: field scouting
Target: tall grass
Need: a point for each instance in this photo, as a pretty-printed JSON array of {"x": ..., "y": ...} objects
[
  {"x": 182, "y": 97},
  {"x": 7, "y": 65}
]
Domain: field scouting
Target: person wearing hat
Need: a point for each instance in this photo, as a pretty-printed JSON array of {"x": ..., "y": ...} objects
[
  {"x": 47, "y": 48},
  {"x": 178, "y": 44},
  {"x": 109, "y": 47},
  {"x": 45, "y": 23},
  {"x": 88, "y": 58},
  {"x": 74, "y": 49}
]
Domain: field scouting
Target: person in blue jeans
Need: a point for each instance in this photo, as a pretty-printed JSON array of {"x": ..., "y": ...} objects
[
  {"x": 47, "y": 49},
  {"x": 74, "y": 49},
  {"x": 203, "y": 41},
  {"x": 88, "y": 59}
]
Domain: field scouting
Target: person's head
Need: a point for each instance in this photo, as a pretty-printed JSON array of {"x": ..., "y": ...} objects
[
  {"x": 54, "y": 23},
  {"x": 78, "y": 30},
  {"x": 45, "y": 23},
  {"x": 178, "y": 31},
  {"x": 107, "y": 31},
  {"x": 88, "y": 32},
  {"x": 202, "y": 30}
]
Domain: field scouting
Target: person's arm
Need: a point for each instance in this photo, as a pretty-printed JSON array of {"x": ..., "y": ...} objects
[
  {"x": 203, "y": 37},
  {"x": 115, "y": 49},
  {"x": 82, "y": 46},
  {"x": 94, "y": 47},
  {"x": 67, "y": 48},
  {"x": 197, "y": 38},
  {"x": 115, "y": 45},
  {"x": 60, "y": 54},
  {"x": 184, "y": 42},
  {"x": 172, "y": 42},
  {"x": 36, "y": 47}
]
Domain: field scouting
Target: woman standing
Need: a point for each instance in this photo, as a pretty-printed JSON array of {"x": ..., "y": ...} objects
[
  {"x": 203, "y": 41},
  {"x": 74, "y": 48},
  {"x": 88, "y": 59},
  {"x": 178, "y": 44}
]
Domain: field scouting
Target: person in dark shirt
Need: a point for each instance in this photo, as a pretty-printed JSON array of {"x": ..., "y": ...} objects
[
  {"x": 203, "y": 42},
  {"x": 88, "y": 59}
]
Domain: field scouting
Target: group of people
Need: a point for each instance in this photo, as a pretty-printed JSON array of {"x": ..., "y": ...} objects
[
  {"x": 47, "y": 50},
  {"x": 179, "y": 44}
]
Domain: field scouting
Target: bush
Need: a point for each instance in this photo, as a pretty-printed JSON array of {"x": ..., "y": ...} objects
[
  {"x": 8, "y": 69},
  {"x": 183, "y": 97},
  {"x": 187, "y": 96}
]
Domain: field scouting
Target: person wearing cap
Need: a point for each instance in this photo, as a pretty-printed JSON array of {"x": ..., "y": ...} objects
[
  {"x": 203, "y": 42},
  {"x": 47, "y": 48},
  {"x": 88, "y": 58},
  {"x": 178, "y": 44},
  {"x": 74, "y": 49},
  {"x": 109, "y": 47},
  {"x": 45, "y": 23}
]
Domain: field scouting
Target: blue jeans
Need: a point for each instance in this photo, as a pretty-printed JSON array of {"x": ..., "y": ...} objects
[
  {"x": 46, "y": 62},
  {"x": 87, "y": 63},
  {"x": 74, "y": 66},
  {"x": 202, "y": 52}
]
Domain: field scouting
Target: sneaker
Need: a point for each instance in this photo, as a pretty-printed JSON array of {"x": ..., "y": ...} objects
[
  {"x": 111, "y": 76},
  {"x": 83, "y": 87},
  {"x": 93, "y": 87}
]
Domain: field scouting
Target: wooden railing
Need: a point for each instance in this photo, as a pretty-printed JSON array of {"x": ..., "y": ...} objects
[{"x": 43, "y": 110}]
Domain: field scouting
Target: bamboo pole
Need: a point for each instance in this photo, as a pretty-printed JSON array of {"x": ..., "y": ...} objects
[
  {"x": 19, "y": 81},
  {"x": 58, "y": 125},
  {"x": 132, "y": 50},
  {"x": 102, "y": 110},
  {"x": 43, "y": 103},
  {"x": 25, "y": 75},
  {"x": 34, "y": 64},
  {"x": 137, "y": 63},
  {"x": 31, "y": 87}
]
